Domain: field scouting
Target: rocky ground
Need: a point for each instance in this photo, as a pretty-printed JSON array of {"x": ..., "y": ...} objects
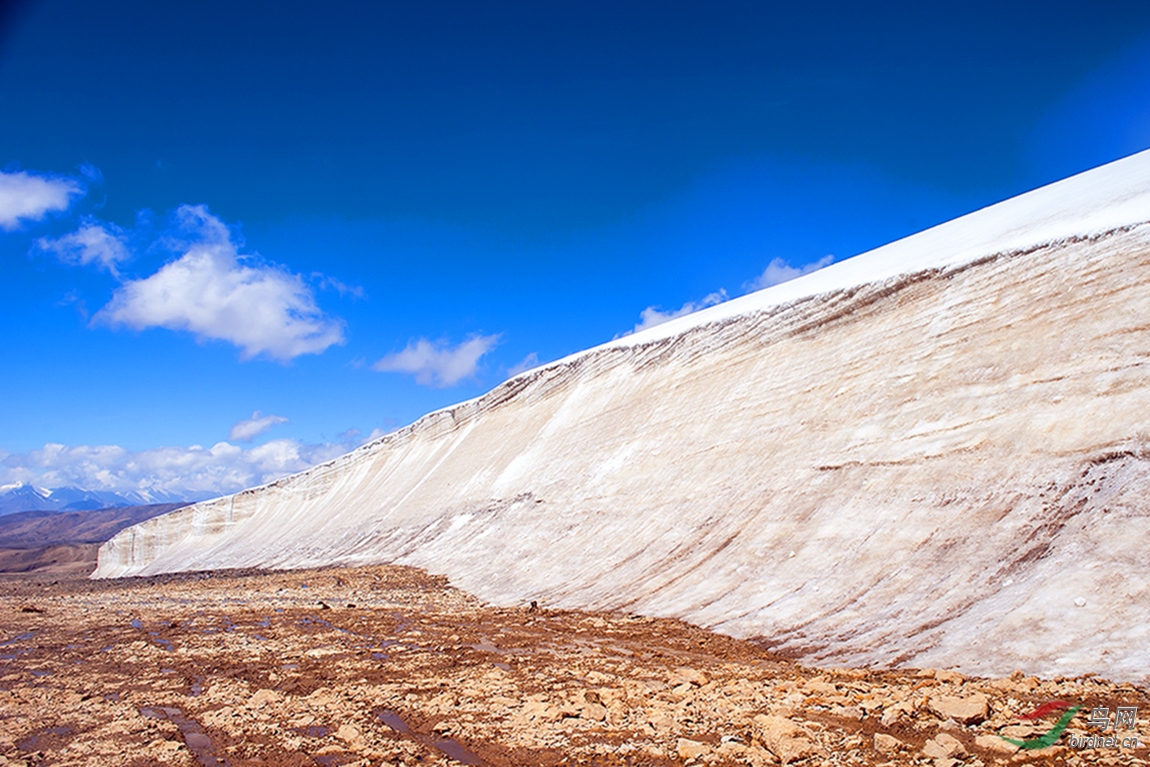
[{"x": 390, "y": 666}]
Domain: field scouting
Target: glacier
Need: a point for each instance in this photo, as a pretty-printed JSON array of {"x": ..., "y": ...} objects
[{"x": 936, "y": 453}]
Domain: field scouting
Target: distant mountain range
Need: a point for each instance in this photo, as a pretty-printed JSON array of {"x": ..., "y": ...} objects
[
  {"x": 65, "y": 542},
  {"x": 24, "y": 497}
]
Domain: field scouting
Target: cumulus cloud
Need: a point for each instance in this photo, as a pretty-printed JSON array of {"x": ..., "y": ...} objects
[
  {"x": 104, "y": 245},
  {"x": 779, "y": 271},
  {"x": 28, "y": 196},
  {"x": 250, "y": 428},
  {"x": 193, "y": 472},
  {"x": 438, "y": 364},
  {"x": 652, "y": 316},
  {"x": 215, "y": 293}
]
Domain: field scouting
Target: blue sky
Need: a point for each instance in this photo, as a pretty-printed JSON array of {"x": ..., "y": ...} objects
[{"x": 238, "y": 238}]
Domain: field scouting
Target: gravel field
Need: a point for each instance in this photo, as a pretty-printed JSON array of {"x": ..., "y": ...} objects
[{"x": 389, "y": 666}]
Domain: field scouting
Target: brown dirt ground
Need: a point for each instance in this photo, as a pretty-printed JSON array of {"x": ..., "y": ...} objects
[{"x": 389, "y": 666}]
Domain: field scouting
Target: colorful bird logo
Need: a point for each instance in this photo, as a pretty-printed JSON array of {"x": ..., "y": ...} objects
[{"x": 1051, "y": 736}]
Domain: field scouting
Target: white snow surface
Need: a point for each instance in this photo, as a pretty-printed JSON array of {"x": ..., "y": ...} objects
[
  {"x": 936, "y": 453},
  {"x": 1099, "y": 200}
]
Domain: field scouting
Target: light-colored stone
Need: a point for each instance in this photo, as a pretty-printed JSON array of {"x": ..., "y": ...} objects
[
  {"x": 892, "y": 714},
  {"x": 971, "y": 709},
  {"x": 262, "y": 698},
  {"x": 757, "y": 756},
  {"x": 783, "y": 738},
  {"x": 687, "y": 675},
  {"x": 349, "y": 734},
  {"x": 944, "y": 745},
  {"x": 691, "y": 749},
  {"x": 885, "y": 744},
  {"x": 995, "y": 743},
  {"x": 593, "y": 712},
  {"x": 820, "y": 688}
]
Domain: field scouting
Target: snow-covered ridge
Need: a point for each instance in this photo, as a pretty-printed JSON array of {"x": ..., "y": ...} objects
[
  {"x": 891, "y": 471},
  {"x": 1109, "y": 197},
  {"x": 20, "y": 496},
  {"x": 1104, "y": 199}
]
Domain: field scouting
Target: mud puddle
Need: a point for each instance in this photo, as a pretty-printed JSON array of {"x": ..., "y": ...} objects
[
  {"x": 43, "y": 740},
  {"x": 447, "y": 746},
  {"x": 194, "y": 737}
]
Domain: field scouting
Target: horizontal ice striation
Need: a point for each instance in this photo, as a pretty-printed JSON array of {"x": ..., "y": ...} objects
[{"x": 949, "y": 466}]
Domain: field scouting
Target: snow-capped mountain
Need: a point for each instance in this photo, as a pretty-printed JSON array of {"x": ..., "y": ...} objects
[
  {"x": 24, "y": 497},
  {"x": 936, "y": 453}
]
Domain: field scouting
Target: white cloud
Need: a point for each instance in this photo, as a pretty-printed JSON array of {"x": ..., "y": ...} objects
[
  {"x": 193, "y": 472},
  {"x": 528, "y": 362},
  {"x": 779, "y": 271},
  {"x": 376, "y": 433},
  {"x": 339, "y": 286},
  {"x": 250, "y": 428},
  {"x": 28, "y": 196},
  {"x": 438, "y": 364},
  {"x": 651, "y": 316},
  {"x": 104, "y": 245},
  {"x": 215, "y": 293}
]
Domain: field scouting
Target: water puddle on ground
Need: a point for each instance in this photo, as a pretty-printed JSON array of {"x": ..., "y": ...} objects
[
  {"x": 449, "y": 747},
  {"x": 311, "y": 619},
  {"x": 40, "y": 741},
  {"x": 166, "y": 644},
  {"x": 18, "y": 638},
  {"x": 194, "y": 738}
]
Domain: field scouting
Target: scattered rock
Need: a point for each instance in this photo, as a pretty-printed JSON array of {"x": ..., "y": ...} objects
[
  {"x": 691, "y": 749},
  {"x": 886, "y": 744},
  {"x": 282, "y": 684},
  {"x": 943, "y": 746},
  {"x": 349, "y": 735},
  {"x": 820, "y": 687},
  {"x": 995, "y": 743},
  {"x": 593, "y": 712},
  {"x": 892, "y": 714},
  {"x": 263, "y": 698},
  {"x": 783, "y": 738},
  {"x": 968, "y": 710},
  {"x": 687, "y": 676}
]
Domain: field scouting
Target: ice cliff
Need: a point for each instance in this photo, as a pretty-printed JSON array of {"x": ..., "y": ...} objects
[{"x": 936, "y": 453}]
